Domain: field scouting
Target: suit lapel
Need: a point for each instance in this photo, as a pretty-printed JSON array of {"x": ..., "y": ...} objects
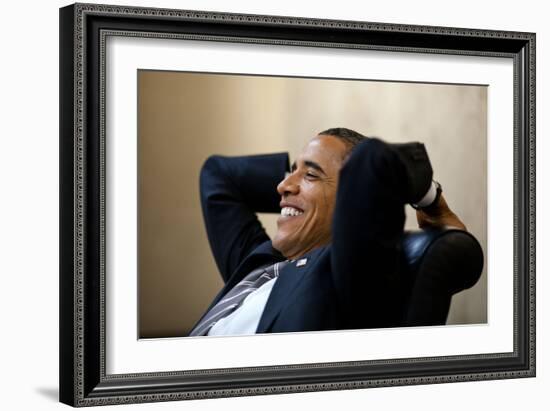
[
  {"x": 287, "y": 283},
  {"x": 262, "y": 255}
]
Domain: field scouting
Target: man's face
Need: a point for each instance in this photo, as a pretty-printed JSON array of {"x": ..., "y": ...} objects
[{"x": 308, "y": 196}]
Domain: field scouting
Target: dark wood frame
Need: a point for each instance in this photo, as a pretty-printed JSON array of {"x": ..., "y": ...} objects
[{"x": 83, "y": 29}]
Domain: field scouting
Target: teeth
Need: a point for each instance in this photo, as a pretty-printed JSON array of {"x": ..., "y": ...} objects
[{"x": 290, "y": 211}]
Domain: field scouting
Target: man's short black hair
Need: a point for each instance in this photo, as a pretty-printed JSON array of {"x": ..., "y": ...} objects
[{"x": 350, "y": 138}]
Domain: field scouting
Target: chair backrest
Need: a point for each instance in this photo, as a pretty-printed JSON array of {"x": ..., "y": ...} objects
[{"x": 439, "y": 263}]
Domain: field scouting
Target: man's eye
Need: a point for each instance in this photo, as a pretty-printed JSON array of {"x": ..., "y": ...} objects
[{"x": 311, "y": 175}]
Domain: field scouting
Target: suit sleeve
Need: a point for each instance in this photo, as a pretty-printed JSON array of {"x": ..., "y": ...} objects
[
  {"x": 367, "y": 227},
  {"x": 232, "y": 190}
]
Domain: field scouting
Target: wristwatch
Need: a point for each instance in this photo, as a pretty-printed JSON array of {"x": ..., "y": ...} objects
[{"x": 430, "y": 198}]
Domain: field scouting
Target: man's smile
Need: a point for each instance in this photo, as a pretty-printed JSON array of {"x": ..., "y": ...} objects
[{"x": 291, "y": 212}]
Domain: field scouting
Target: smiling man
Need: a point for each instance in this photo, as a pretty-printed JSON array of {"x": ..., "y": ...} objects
[
  {"x": 308, "y": 195},
  {"x": 333, "y": 263}
]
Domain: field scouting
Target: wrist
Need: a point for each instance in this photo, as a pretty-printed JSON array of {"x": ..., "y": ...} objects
[{"x": 431, "y": 198}]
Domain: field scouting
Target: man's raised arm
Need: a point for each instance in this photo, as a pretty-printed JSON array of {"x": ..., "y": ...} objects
[
  {"x": 232, "y": 190},
  {"x": 375, "y": 184}
]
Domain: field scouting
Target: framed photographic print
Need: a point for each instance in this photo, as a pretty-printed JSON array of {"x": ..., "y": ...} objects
[{"x": 182, "y": 142}]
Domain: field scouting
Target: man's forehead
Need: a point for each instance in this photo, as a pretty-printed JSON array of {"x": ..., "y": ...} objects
[{"x": 324, "y": 150}]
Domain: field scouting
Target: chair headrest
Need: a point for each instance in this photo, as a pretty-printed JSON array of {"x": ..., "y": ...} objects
[{"x": 451, "y": 257}]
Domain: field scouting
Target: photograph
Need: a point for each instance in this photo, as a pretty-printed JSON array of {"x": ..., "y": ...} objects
[
  {"x": 254, "y": 204},
  {"x": 240, "y": 205},
  {"x": 213, "y": 150}
]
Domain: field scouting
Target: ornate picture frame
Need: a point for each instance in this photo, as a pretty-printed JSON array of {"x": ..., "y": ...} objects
[{"x": 84, "y": 82}]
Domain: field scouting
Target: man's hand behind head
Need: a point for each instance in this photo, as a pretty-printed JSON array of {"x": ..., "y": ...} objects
[{"x": 438, "y": 215}]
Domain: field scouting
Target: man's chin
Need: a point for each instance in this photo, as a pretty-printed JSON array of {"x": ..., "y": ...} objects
[{"x": 282, "y": 243}]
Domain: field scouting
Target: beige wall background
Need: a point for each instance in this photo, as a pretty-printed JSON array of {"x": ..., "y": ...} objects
[{"x": 185, "y": 117}]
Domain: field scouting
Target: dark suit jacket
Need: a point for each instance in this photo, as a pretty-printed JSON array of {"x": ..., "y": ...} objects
[{"x": 352, "y": 283}]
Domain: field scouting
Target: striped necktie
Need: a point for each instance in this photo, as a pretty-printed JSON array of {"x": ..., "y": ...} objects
[{"x": 235, "y": 297}]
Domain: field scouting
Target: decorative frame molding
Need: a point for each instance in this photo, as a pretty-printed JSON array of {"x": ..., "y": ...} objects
[{"x": 83, "y": 32}]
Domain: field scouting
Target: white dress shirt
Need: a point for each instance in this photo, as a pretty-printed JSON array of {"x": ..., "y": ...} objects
[{"x": 245, "y": 319}]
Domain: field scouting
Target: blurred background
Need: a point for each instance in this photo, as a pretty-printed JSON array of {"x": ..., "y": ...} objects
[{"x": 185, "y": 117}]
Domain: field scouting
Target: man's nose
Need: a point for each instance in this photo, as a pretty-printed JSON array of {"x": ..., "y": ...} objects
[{"x": 288, "y": 185}]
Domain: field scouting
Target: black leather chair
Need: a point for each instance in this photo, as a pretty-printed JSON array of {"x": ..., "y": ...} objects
[{"x": 440, "y": 263}]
